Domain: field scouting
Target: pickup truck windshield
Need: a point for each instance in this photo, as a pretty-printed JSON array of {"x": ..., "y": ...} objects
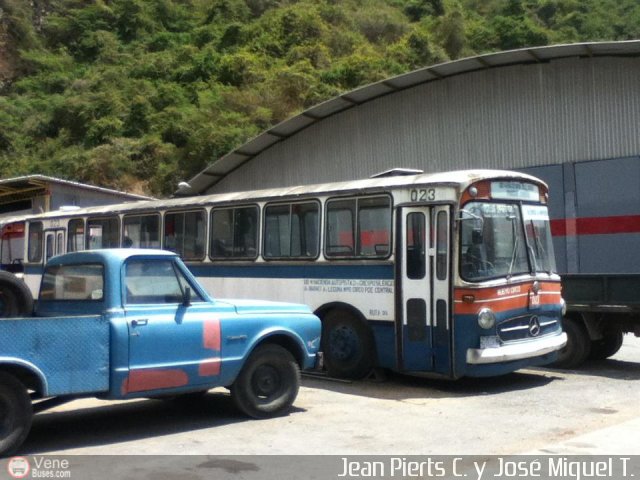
[{"x": 73, "y": 282}]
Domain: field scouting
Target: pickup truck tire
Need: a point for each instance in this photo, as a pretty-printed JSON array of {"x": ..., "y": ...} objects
[
  {"x": 16, "y": 413},
  {"x": 578, "y": 346},
  {"x": 15, "y": 298},
  {"x": 347, "y": 344},
  {"x": 268, "y": 383},
  {"x": 608, "y": 345}
]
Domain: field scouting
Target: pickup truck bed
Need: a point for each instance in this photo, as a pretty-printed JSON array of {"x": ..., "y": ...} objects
[{"x": 67, "y": 352}]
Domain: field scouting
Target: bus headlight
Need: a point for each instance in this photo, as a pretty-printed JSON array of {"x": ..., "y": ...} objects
[
  {"x": 563, "y": 304},
  {"x": 486, "y": 318}
]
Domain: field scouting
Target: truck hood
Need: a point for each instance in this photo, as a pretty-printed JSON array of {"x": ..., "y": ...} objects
[{"x": 249, "y": 307}]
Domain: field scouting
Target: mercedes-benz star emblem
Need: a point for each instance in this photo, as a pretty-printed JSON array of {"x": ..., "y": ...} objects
[{"x": 534, "y": 326}]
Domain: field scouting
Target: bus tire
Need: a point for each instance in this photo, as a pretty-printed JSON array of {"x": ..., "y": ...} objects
[
  {"x": 16, "y": 413},
  {"x": 578, "y": 346},
  {"x": 15, "y": 297},
  {"x": 608, "y": 345},
  {"x": 347, "y": 344},
  {"x": 268, "y": 383}
]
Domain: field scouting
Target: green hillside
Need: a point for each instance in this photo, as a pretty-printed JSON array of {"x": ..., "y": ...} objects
[{"x": 139, "y": 95}]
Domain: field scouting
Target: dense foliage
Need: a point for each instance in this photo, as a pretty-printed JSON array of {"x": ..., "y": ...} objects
[{"x": 139, "y": 94}]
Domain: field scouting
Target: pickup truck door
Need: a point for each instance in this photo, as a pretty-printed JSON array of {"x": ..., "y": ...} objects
[{"x": 171, "y": 345}]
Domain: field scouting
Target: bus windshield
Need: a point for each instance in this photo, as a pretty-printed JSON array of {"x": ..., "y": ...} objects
[
  {"x": 538, "y": 232},
  {"x": 495, "y": 238}
]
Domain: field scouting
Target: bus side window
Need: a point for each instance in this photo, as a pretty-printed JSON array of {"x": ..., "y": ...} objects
[
  {"x": 277, "y": 231},
  {"x": 141, "y": 231},
  {"x": 442, "y": 245},
  {"x": 103, "y": 232},
  {"x": 49, "y": 247},
  {"x": 184, "y": 233},
  {"x": 370, "y": 217},
  {"x": 35, "y": 242},
  {"x": 374, "y": 226},
  {"x": 416, "y": 246},
  {"x": 305, "y": 230},
  {"x": 291, "y": 230},
  {"x": 234, "y": 233},
  {"x": 340, "y": 236},
  {"x": 75, "y": 235},
  {"x": 60, "y": 243}
]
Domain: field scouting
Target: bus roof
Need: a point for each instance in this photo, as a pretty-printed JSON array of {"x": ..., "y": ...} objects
[{"x": 457, "y": 179}]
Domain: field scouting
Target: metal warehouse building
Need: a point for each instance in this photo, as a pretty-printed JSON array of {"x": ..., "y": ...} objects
[
  {"x": 40, "y": 193},
  {"x": 569, "y": 114}
]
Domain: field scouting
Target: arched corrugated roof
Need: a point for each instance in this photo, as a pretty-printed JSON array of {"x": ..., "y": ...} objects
[{"x": 243, "y": 154}]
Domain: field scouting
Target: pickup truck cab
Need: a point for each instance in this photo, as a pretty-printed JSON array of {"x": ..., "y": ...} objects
[{"x": 124, "y": 323}]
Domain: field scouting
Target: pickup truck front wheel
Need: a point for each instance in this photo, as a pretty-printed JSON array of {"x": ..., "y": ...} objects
[
  {"x": 268, "y": 383},
  {"x": 16, "y": 413}
]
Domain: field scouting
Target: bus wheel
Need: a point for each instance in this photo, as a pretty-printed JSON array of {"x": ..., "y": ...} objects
[
  {"x": 15, "y": 413},
  {"x": 347, "y": 345},
  {"x": 608, "y": 345},
  {"x": 268, "y": 383},
  {"x": 15, "y": 298},
  {"x": 578, "y": 346}
]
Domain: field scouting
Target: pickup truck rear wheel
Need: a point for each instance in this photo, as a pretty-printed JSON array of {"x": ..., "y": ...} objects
[
  {"x": 15, "y": 298},
  {"x": 608, "y": 345},
  {"x": 16, "y": 413},
  {"x": 268, "y": 383}
]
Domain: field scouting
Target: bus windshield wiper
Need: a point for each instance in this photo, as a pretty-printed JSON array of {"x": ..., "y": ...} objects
[{"x": 516, "y": 243}]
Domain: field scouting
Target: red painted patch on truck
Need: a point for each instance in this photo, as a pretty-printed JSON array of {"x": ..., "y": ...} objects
[
  {"x": 211, "y": 340},
  {"x": 209, "y": 368},
  {"x": 154, "y": 379},
  {"x": 211, "y": 334}
]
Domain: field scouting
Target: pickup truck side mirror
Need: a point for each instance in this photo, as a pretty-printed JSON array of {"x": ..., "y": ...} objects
[{"x": 186, "y": 296}]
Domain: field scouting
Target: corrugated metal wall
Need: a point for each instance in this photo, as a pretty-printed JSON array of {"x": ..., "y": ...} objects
[
  {"x": 67, "y": 195},
  {"x": 511, "y": 117}
]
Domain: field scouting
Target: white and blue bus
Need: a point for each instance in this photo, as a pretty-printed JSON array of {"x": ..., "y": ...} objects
[{"x": 446, "y": 275}]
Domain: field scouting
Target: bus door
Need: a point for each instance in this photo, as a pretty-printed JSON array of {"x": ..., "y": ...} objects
[
  {"x": 54, "y": 243},
  {"x": 413, "y": 321},
  {"x": 424, "y": 326},
  {"x": 442, "y": 331}
]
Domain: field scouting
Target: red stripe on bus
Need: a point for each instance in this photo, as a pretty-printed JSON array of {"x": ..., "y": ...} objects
[
  {"x": 566, "y": 227},
  {"x": 504, "y": 298}
]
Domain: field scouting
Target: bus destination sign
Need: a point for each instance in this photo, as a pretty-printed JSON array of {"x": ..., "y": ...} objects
[{"x": 515, "y": 191}]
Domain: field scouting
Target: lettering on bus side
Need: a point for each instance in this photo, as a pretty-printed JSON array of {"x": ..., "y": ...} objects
[{"x": 422, "y": 194}]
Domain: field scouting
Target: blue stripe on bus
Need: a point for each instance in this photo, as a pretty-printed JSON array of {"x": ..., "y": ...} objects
[
  {"x": 33, "y": 269},
  {"x": 266, "y": 270}
]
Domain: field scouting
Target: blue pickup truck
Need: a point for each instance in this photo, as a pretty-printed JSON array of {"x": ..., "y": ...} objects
[{"x": 121, "y": 324}]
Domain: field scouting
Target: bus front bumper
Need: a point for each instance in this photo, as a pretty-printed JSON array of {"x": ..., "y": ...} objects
[{"x": 519, "y": 351}]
